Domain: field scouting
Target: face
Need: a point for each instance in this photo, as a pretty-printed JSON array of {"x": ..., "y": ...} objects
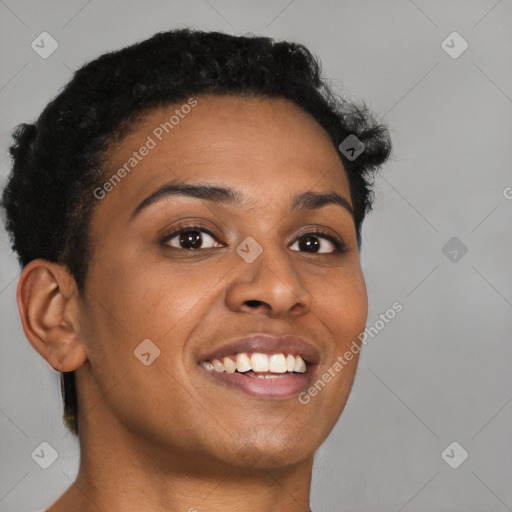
[{"x": 195, "y": 270}]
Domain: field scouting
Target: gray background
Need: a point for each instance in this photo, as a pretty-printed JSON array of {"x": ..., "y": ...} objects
[{"x": 440, "y": 371}]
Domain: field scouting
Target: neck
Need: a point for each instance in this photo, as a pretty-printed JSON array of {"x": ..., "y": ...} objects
[{"x": 120, "y": 471}]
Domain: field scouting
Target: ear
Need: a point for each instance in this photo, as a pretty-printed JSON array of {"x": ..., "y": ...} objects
[{"x": 47, "y": 299}]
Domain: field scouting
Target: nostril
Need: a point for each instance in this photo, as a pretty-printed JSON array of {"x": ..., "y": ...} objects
[{"x": 254, "y": 303}]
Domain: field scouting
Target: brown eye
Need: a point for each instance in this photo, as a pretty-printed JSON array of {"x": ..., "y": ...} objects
[
  {"x": 192, "y": 238},
  {"x": 319, "y": 243}
]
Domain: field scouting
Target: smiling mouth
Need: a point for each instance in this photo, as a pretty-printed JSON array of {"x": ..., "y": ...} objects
[
  {"x": 276, "y": 375},
  {"x": 258, "y": 364}
]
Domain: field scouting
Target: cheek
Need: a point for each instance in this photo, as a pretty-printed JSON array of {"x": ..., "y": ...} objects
[
  {"x": 343, "y": 310},
  {"x": 134, "y": 303},
  {"x": 342, "y": 305},
  {"x": 127, "y": 305},
  {"x": 144, "y": 301}
]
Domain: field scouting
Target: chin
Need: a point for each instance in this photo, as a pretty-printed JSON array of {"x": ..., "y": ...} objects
[{"x": 273, "y": 451}]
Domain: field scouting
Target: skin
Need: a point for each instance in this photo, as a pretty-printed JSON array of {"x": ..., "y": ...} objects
[{"x": 166, "y": 436}]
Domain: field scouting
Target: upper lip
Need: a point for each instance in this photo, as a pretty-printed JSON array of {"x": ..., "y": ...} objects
[{"x": 265, "y": 343}]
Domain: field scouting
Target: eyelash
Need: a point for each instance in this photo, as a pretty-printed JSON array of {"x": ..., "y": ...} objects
[{"x": 339, "y": 245}]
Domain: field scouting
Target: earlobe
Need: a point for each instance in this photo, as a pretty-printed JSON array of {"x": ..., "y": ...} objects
[{"x": 47, "y": 302}]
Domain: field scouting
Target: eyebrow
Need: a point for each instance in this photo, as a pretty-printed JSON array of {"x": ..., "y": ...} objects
[{"x": 226, "y": 195}]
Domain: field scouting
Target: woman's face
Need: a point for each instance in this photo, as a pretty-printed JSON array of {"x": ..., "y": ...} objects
[{"x": 255, "y": 269}]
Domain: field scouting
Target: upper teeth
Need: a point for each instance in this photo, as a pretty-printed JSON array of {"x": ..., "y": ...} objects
[{"x": 257, "y": 362}]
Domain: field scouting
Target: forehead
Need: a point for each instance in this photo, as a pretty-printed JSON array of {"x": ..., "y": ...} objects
[{"x": 259, "y": 146}]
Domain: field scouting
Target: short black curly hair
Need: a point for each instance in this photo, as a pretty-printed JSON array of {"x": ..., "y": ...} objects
[{"x": 57, "y": 161}]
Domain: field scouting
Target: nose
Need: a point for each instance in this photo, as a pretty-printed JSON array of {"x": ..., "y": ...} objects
[{"x": 271, "y": 285}]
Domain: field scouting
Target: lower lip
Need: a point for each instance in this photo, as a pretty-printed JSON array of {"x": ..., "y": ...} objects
[{"x": 280, "y": 387}]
